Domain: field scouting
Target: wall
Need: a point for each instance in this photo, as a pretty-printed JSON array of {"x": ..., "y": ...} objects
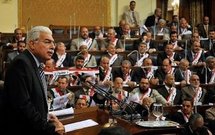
[
  {"x": 8, "y": 15},
  {"x": 112, "y": 11}
]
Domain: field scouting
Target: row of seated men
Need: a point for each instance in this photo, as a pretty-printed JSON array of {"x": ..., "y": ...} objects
[{"x": 87, "y": 96}]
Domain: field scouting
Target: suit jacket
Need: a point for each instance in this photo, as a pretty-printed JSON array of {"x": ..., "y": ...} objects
[
  {"x": 119, "y": 31},
  {"x": 137, "y": 42},
  {"x": 160, "y": 74},
  {"x": 78, "y": 41},
  {"x": 190, "y": 57},
  {"x": 163, "y": 91},
  {"x": 117, "y": 72},
  {"x": 202, "y": 72},
  {"x": 150, "y": 21},
  {"x": 118, "y": 61},
  {"x": 25, "y": 107},
  {"x": 202, "y": 31},
  {"x": 133, "y": 58},
  {"x": 162, "y": 55},
  {"x": 188, "y": 92},
  {"x": 177, "y": 117},
  {"x": 129, "y": 19},
  {"x": 11, "y": 56},
  {"x": 67, "y": 61}
]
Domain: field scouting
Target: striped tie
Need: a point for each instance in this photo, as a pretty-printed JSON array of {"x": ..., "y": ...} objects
[{"x": 43, "y": 79}]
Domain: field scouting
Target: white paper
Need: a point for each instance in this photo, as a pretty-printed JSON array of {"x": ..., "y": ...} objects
[
  {"x": 63, "y": 112},
  {"x": 60, "y": 102},
  {"x": 80, "y": 125}
]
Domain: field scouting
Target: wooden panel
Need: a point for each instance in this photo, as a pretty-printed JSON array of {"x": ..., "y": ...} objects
[{"x": 64, "y": 12}]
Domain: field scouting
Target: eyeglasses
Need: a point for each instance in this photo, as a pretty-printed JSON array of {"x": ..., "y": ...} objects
[{"x": 47, "y": 42}]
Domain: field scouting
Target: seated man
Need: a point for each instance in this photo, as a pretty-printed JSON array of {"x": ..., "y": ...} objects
[
  {"x": 20, "y": 48},
  {"x": 81, "y": 103},
  {"x": 89, "y": 60},
  {"x": 115, "y": 59},
  {"x": 125, "y": 72},
  {"x": 138, "y": 94},
  {"x": 137, "y": 58},
  {"x": 97, "y": 33},
  {"x": 194, "y": 91},
  {"x": 61, "y": 90},
  {"x": 61, "y": 58},
  {"x": 169, "y": 92},
  {"x": 127, "y": 32},
  {"x": 84, "y": 39},
  {"x": 195, "y": 126},
  {"x": 111, "y": 39},
  {"x": 182, "y": 116},
  {"x": 18, "y": 36}
]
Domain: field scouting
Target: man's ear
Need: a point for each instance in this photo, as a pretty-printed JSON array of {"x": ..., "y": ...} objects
[{"x": 31, "y": 45}]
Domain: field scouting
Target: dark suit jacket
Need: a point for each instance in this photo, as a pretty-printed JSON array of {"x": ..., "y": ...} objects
[
  {"x": 137, "y": 42},
  {"x": 119, "y": 31},
  {"x": 163, "y": 91},
  {"x": 202, "y": 31},
  {"x": 202, "y": 72},
  {"x": 190, "y": 57},
  {"x": 67, "y": 61},
  {"x": 24, "y": 103},
  {"x": 162, "y": 55},
  {"x": 150, "y": 21},
  {"x": 177, "y": 117},
  {"x": 118, "y": 61},
  {"x": 117, "y": 72},
  {"x": 160, "y": 74}
]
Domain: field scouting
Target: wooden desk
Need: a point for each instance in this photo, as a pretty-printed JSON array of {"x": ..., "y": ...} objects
[{"x": 102, "y": 116}]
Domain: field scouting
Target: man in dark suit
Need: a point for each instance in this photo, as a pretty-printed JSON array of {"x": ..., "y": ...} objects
[
  {"x": 182, "y": 116},
  {"x": 204, "y": 27},
  {"x": 153, "y": 19},
  {"x": 169, "y": 92},
  {"x": 25, "y": 108}
]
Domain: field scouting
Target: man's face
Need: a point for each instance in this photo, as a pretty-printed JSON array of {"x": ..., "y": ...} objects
[
  {"x": 169, "y": 49},
  {"x": 187, "y": 107},
  {"x": 184, "y": 66},
  {"x": 211, "y": 63},
  {"x": 174, "y": 37},
  {"x": 142, "y": 48},
  {"x": 144, "y": 84},
  {"x": 81, "y": 103},
  {"x": 158, "y": 12},
  {"x": 194, "y": 81},
  {"x": 126, "y": 68},
  {"x": 61, "y": 48},
  {"x": 43, "y": 47},
  {"x": 18, "y": 34},
  {"x": 111, "y": 49},
  {"x": 196, "y": 47},
  {"x": 206, "y": 20},
  {"x": 79, "y": 63},
  {"x": 132, "y": 6},
  {"x": 126, "y": 29},
  {"x": 21, "y": 47},
  {"x": 195, "y": 37},
  {"x": 212, "y": 34},
  {"x": 118, "y": 83},
  {"x": 166, "y": 66},
  {"x": 105, "y": 63},
  {"x": 62, "y": 83},
  {"x": 110, "y": 34},
  {"x": 84, "y": 33},
  {"x": 170, "y": 80}
]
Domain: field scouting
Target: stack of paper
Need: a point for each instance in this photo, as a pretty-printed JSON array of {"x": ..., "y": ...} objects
[{"x": 63, "y": 112}]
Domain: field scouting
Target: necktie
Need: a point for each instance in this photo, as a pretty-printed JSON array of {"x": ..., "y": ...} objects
[
  {"x": 134, "y": 18},
  {"x": 43, "y": 79}
]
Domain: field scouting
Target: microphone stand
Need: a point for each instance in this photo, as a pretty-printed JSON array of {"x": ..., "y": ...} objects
[{"x": 111, "y": 98}]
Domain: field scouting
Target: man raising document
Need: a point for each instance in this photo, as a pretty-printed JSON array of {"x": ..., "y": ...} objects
[{"x": 25, "y": 108}]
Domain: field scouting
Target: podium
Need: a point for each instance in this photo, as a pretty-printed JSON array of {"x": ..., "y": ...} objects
[{"x": 102, "y": 116}]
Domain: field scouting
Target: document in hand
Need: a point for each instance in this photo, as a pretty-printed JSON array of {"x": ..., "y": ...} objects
[
  {"x": 80, "y": 125},
  {"x": 63, "y": 112}
]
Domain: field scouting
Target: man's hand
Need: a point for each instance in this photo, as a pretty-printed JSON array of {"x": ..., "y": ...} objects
[{"x": 59, "y": 128}]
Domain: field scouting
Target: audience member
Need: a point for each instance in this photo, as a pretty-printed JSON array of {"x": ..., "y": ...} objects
[
  {"x": 131, "y": 16},
  {"x": 138, "y": 94},
  {"x": 96, "y": 33},
  {"x": 160, "y": 30},
  {"x": 61, "y": 57},
  {"x": 169, "y": 91},
  {"x": 153, "y": 19},
  {"x": 194, "y": 91},
  {"x": 81, "y": 103},
  {"x": 18, "y": 36},
  {"x": 84, "y": 39},
  {"x": 60, "y": 91},
  {"x": 204, "y": 27},
  {"x": 20, "y": 48}
]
